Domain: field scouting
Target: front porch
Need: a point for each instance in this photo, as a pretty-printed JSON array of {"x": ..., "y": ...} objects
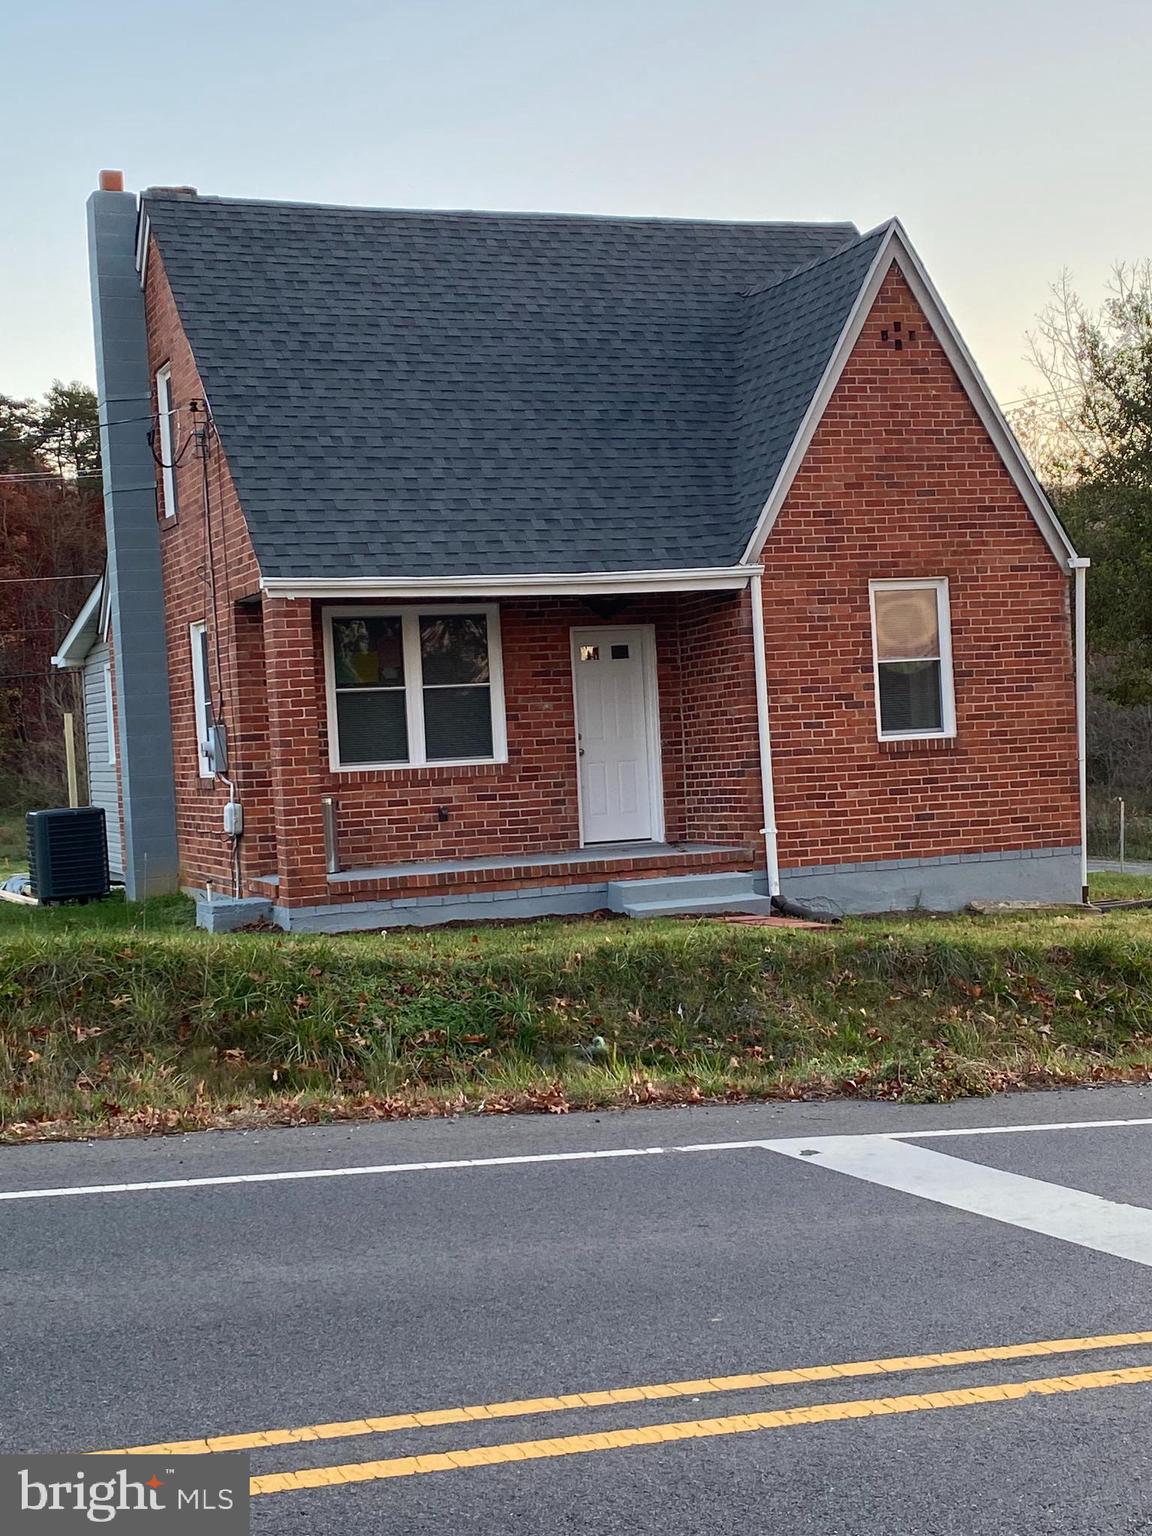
[
  {"x": 633, "y": 879},
  {"x": 434, "y": 762}
]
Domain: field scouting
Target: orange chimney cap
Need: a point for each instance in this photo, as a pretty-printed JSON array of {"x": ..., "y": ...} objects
[{"x": 111, "y": 181}]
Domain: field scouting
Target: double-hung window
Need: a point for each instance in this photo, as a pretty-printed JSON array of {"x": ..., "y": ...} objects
[
  {"x": 912, "y": 655},
  {"x": 412, "y": 687},
  {"x": 166, "y": 440}
]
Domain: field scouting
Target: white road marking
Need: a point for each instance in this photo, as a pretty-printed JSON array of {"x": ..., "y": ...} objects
[
  {"x": 334, "y": 1173},
  {"x": 458, "y": 1163},
  {"x": 1010, "y": 1130},
  {"x": 1072, "y": 1215}
]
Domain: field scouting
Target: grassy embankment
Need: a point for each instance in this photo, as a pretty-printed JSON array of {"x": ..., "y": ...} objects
[{"x": 121, "y": 1020}]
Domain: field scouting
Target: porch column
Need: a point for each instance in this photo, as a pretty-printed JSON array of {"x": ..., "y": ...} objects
[{"x": 296, "y": 765}]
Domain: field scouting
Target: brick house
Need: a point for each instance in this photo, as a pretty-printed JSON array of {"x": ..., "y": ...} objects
[{"x": 467, "y": 565}]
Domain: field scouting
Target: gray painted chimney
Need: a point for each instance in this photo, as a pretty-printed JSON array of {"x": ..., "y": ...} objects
[{"x": 134, "y": 579}]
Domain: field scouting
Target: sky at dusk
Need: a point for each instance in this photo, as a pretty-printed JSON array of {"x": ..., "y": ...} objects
[{"x": 1012, "y": 138}]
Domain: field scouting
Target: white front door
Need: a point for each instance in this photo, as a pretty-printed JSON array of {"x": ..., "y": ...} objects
[{"x": 617, "y": 734}]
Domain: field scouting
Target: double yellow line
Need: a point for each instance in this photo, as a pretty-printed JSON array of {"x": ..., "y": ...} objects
[{"x": 656, "y": 1434}]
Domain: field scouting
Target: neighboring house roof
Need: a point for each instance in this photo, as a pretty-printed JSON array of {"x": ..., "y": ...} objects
[
  {"x": 88, "y": 630},
  {"x": 444, "y": 394}
]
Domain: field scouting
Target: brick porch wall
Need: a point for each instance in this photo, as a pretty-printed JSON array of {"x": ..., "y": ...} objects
[{"x": 901, "y": 480}]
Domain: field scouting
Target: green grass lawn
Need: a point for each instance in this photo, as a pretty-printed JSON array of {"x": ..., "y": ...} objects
[{"x": 119, "y": 1020}]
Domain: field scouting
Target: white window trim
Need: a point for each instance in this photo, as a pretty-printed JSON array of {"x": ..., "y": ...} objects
[
  {"x": 167, "y": 455},
  {"x": 201, "y": 693},
  {"x": 414, "y": 686},
  {"x": 110, "y": 713},
  {"x": 947, "y": 685}
]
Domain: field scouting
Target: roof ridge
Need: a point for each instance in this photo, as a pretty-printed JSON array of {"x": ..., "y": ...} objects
[
  {"x": 819, "y": 261},
  {"x": 184, "y": 201}
]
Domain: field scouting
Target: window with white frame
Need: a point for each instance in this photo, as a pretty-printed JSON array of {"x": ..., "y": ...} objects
[
  {"x": 166, "y": 439},
  {"x": 202, "y": 699},
  {"x": 109, "y": 712},
  {"x": 912, "y": 651},
  {"x": 412, "y": 687}
]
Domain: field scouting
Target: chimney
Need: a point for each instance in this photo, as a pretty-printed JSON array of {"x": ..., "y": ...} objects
[{"x": 136, "y": 597}]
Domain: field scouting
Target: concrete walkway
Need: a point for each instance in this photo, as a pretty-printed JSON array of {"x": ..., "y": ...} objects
[{"x": 1112, "y": 866}]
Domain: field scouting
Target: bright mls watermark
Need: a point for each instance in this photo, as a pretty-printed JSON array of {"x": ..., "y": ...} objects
[{"x": 183, "y": 1494}]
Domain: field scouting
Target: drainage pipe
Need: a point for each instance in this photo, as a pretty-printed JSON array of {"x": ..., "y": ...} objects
[
  {"x": 767, "y": 787},
  {"x": 331, "y": 844},
  {"x": 1079, "y": 574}
]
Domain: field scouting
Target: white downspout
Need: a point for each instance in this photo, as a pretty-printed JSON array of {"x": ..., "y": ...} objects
[
  {"x": 767, "y": 788},
  {"x": 1080, "y": 573}
]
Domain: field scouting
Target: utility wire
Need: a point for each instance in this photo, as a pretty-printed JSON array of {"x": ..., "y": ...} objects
[
  {"x": 29, "y": 477},
  {"x": 24, "y": 580}
]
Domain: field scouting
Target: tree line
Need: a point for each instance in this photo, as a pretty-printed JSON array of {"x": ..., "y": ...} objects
[{"x": 51, "y": 546}]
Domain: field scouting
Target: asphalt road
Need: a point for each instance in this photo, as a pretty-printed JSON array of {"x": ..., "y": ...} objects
[{"x": 134, "y": 1317}]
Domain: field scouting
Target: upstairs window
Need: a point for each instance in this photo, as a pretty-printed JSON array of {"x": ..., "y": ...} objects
[
  {"x": 410, "y": 688},
  {"x": 166, "y": 440},
  {"x": 912, "y": 651}
]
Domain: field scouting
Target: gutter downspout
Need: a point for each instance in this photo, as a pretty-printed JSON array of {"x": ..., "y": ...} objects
[
  {"x": 767, "y": 788},
  {"x": 1079, "y": 567}
]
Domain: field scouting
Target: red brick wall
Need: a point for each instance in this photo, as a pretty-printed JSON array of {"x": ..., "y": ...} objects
[
  {"x": 184, "y": 544},
  {"x": 901, "y": 480}
]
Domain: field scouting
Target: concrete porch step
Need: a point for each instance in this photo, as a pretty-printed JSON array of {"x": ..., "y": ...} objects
[
  {"x": 723, "y": 891},
  {"x": 759, "y": 906}
]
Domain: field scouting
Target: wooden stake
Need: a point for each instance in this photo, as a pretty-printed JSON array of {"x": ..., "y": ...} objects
[{"x": 70, "y": 757}]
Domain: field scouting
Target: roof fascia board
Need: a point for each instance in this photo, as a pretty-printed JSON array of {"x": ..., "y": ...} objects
[
  {"x": 896, "y": 249},
  {"x": 594, "y": 583},
  {"x": 70, "y": 653}
]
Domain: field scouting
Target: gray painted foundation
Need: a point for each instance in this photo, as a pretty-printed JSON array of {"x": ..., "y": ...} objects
[
  {"x": 224, "y": 914},
  {"x": 889, "y": 885},
  {"x": 422, "y": 911},
  {"x": 940, "y": 885}
]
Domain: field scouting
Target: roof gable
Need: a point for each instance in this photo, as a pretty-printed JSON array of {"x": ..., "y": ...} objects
[
  {"x": 88, "y": 629},
  {"x": 892, "y": 247}
]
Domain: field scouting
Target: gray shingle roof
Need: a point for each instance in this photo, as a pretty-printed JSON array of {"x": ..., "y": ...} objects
[{"x": 433, "y": 394}]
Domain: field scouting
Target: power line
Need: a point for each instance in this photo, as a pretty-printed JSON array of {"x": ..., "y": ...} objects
[
  {"x": 24, "y": 580},
  {"x": 1048, "y": 394},
  {"x": 29, "y": 477}
]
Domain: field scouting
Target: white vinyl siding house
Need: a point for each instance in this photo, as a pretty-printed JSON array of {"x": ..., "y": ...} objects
[
  {"x": 85, "y": 649},
  {"x": 100, "y": 748}
]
